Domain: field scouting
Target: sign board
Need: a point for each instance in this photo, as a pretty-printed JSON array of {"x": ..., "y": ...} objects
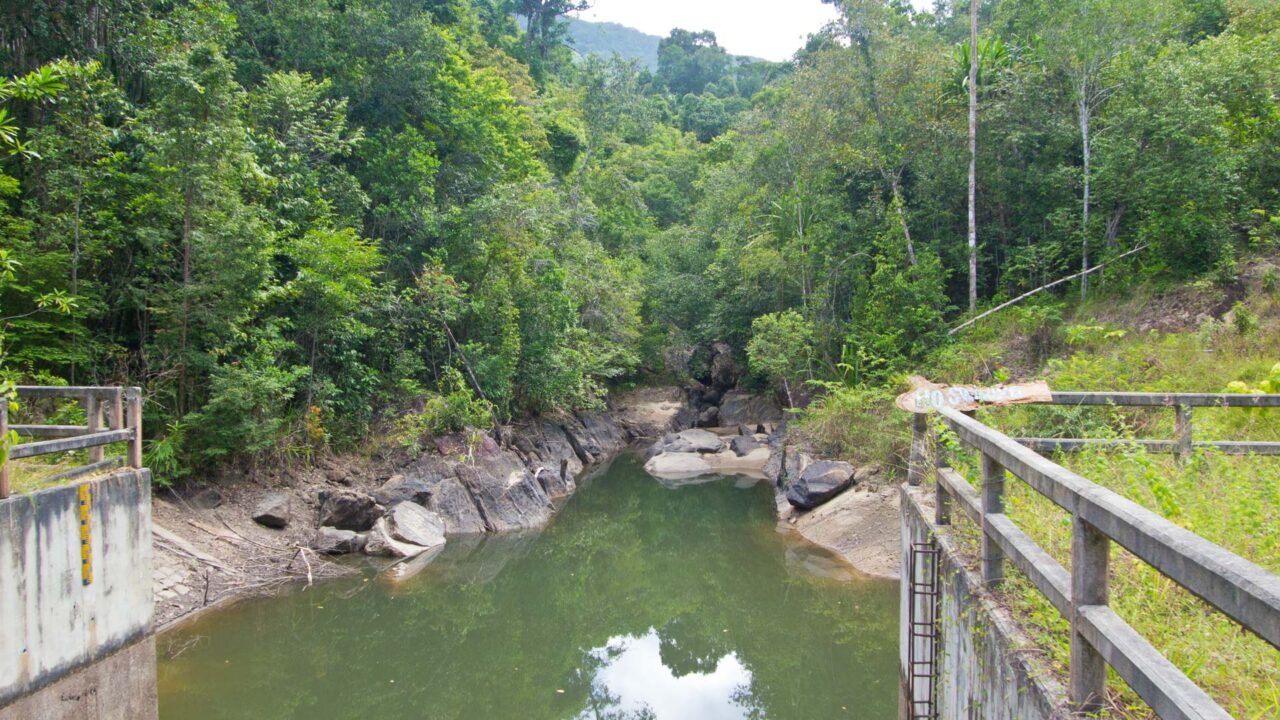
[{"x": 927, "y": 396}]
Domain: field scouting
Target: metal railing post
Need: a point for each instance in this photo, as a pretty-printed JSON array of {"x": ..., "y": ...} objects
[
  {"x": 1090, "y": 585},
  {"x": 993, "y": 477},
  {"x": 133, "y": 401}
]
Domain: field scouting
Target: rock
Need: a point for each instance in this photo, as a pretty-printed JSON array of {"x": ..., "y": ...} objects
[
  {"x": 869, "y": 474},
  {"x": 743, "y": 444},
  {"x": 401, "y": 488},
  {"x": 725, "y": 372},
  {"x": 273, "y": 511},
  {"x": 701, "y": 441},
  {"x": 747, "y": 429},
  {"x": 671, "y": 443},
  {"x": 818, "y": 483},
  {"x": 410, "y": 522},
  {"x": 689, "y": 441},
  {"x": 709, "y": 417},
  {"x": 407, "y": 570},
  {"x": 332, "y": 541},
  {"x": 451, "y": 501},
  {"x": 515, "y": 501},
  {"x": 556, "y": 484},
  {"x": 728, "y": 462},
  {"x": 743, "y": 408},
  {"x": 677, "y": 465},
  {"x": 348, "y": 510},
  {"x": 382, "y": 544},
  {"x": 207, "y": 499}
]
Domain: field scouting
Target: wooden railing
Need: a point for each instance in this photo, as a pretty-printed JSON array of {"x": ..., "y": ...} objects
[
  {"x": 113, "y": 415},
  {"x": 1243, "y": 591}
]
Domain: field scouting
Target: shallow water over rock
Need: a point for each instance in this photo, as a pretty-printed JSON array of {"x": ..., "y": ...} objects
[{"x": 640, "y": 601}]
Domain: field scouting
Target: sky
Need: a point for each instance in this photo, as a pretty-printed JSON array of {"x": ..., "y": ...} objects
[{"x": 767, "y": 29}]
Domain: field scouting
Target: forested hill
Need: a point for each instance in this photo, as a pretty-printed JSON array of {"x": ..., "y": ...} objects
[
  {"x": 606, "y": 38},
  {"x": 296, "y": 222},
  {"x": 603, "y": 39}
]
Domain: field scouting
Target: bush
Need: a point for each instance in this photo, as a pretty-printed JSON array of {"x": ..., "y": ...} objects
[
  {"x": 454, "y": 409},
  {"x": 859, "y": 424},
  {"x": 1243, "y": 319}
]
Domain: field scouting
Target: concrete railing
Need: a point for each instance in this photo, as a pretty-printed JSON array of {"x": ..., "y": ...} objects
[
  {"x": 112, "y": 415},
  {"x": 1243, "y": 591}
]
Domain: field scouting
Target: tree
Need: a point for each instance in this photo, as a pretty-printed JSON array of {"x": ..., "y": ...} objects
[
  {"x": 1082, "y": 39},
  {"x": 973, "y": 156},
  {"x": 542, "y": 18},
  {"x": 202, "y": 165},
  {"x": 781, "y": 348},
  {"x": 690, "y": 61}
]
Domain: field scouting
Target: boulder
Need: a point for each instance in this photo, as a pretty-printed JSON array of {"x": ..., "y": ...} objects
[
  {"x": 743, "y": 445},
  {"x": 818, "y": 483},
  {"x": 382, "y": 544},
  {"x": 411, "y": 523},
  {"x": 725, "y": 372},
  {"x": 451, "y": 501},
  {"x": 873, "y": 473},
  {"x": 727, "y": 462},
  {"x": 557, "y": 485},
  {"x": 671, "y": 443},
  {"x": 332, "y": 541},
  {"x": 273, "y": 511},
  {"x": 701, "y": 441},
  {"x": 677, "y": 465},
  {"x": 207, "y": 499},
  {"x": 402, "y": 488},
  {"x": 743, "y": 408},
  {"x": 514, "y": 501},
  {"x": 709, "y": 417},
  {"x": 348, "y": 510}
]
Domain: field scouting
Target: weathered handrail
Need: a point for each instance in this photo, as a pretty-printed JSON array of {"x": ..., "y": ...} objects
[
  {"x": 1240, "y": 589},
  {"x": 1181, "y": 403},
  {"x": 122, "y": 408}
]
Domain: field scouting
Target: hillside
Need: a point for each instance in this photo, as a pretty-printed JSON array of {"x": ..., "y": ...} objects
[{"x": 606, "y": 38}]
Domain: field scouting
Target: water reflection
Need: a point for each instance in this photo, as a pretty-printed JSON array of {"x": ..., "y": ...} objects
[{"x": 632, "y": 681}]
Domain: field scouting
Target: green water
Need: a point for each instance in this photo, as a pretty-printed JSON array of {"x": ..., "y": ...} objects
[{"x": 640, "y": 601}]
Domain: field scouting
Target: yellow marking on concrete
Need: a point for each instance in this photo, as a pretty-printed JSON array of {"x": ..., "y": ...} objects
[{"x": 86, "y": 548}]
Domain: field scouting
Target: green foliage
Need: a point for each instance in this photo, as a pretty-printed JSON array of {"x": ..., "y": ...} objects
[
  {"x": 453, "y": 409},
  {"x": 1243, "y": 319},
  {"x": 781, "y": 348},
  {"x": 289, "y": 220}
]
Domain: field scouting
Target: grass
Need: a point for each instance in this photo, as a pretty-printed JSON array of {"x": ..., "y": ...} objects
[{"x": 1231, "y": 501}]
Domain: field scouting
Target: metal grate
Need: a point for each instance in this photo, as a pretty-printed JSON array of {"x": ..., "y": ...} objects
[{"x": 922, "y": 625}]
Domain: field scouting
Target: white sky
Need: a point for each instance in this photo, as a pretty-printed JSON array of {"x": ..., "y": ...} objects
[{"x": 766, "y": 29}]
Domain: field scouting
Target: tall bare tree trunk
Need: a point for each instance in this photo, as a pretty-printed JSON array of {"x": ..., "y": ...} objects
[
  {"x": 898, "y": 202},
  {"x": 873, "y": 96},
  {"x": 188, "y": 229},
  {"x": 1084, "y": 213},
  {"x": 973, "y": 156}
]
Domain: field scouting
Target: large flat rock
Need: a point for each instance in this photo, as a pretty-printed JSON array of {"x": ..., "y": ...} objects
[{"x": 861, "y": 526}]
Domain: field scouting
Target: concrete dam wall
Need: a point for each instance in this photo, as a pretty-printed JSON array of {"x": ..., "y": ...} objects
[{"x": 76, "y": 601}]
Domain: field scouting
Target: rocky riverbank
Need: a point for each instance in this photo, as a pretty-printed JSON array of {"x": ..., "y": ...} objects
[
  {"x": 228, "y": 539},
  {"x": 852, "y": 512},
  {"x": 224, "y": 540}
]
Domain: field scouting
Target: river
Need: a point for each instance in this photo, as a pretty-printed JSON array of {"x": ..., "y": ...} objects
[{"x": 641, "y": 601}]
